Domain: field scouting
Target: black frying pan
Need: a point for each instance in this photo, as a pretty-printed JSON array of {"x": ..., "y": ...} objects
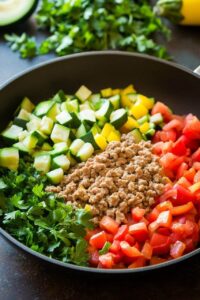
[{"x": 173, "y": 84}]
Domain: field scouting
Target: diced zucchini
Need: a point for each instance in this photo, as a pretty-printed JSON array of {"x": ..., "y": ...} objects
[
  {"x": 22, "y": 118},
  {"x": 72, "y": 160},
  {"x": 85, "y": 152},
  {"x": 81, "y": 131},
  {"x": 150, "y": 133},
  {"x": 30, "y": 141},
  {"x": 88, "y": 116},
  {"x": 84, "y": 106},
  {"x": 61, "y": 161},
  {"x": 59, "y": 148},
  {"x": 103, "y": 114},
  {"x": 9, "y": 158},
  {"x": 59, "y": 96},
  {"x": 56, "y": 175},
  {"x": 143, "y": 120},
  {"x": 83, "y": 93},
  {"x": 33, "y": 124},
  {"x": 95, "y": 129},
  {"x": 27, "y": 105},
  {"x": 115, "y": 100},
  {"x": 68, "y": 119},
  {"x": 46, "y": 147},
  {"x": 60, "y": 133},
  {"x": 54, "y": 111},
  {"x": 156, "y": 119},
  {"x": 76, "y": 146},
  {"x": 70, "y": 106},
  {"x": 96, "y": 101},
  {"x": 119, "y": 117},
  {"x": 20, "y": 146},
  {"x": 40, "y": 136},
  {"x": 137, "y": 135},
  {"x": 20, "y": 122},
  {"x": 100, "y": 140},
  {"x": 22, "y": 135},
  {"x": 89, "y": 138},
  {"x": 43, "y": 108},
  {"x": 72, "y": 134},
  {"x": 42, "y": 163},
  {"x": 132, "y": 97},
  {"x": 11, "y": 134},
  {"x": 46, "y": 125}
]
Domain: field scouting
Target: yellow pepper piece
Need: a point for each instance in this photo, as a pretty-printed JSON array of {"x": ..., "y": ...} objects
[
  {"x": 144, "y": 127},
  {"x": 138, "y": 110},
  {"x": 191, "y": 11},
  {"x": 106, "y": 92},
  {"x": 114, "y": 136},
  {"x": 195, "y": 187},
  {"x": 147, "y": 102},
  {"x": 125, "y": 101},
  {"x": 128, "y": 90},
  {"x": 100, "y": 141},
  {"x": 129, "y": 125},
  {"x": 116, "y": 92},
  {"x": 107, "y": 130}
]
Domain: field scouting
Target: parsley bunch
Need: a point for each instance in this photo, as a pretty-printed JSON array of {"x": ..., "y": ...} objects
[
  {"x": 40, "y": 220},
  {"x": 82, "y": 25}
]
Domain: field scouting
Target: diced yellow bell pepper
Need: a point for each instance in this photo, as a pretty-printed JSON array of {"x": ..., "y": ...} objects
[
  {"x": 100, "y": 141},
  {"x": 107, "y": 130},
  {"x": 129, "y": 125},
  {"x": 144, "y": 127},
  {"x": 116, "y": 92},
  {"x": 195, "y": 187},
  {"x": 147, "y": 102},
  {"x": 114, "y": 136},
  {"x": 106, "y": 92},
  {"x": 138, "y": 110},
  {"x": 128, "y": 90}
]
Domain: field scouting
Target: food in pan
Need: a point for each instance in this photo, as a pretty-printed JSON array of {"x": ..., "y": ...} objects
[{"x": 106, "y": 180}]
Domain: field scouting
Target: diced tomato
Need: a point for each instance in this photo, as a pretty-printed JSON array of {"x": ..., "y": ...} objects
[
  {"x": 183, "y": 195},
  {"x": 152, "y": 216},
  {"x": 129, "y": 239},
  {"x": 90, "y": 233},
  {"x": 174, "y": 124},
  {"x": 169, "y": 135},
  {"x": 189, "y": 245},
  {"x": 147, "y": 250},
  {"x": 138, "y": 263},
  {"x": 115, "y": 247},
  {"x": 130, "y": 251},
  {"x": 137, "y": 213},
  {"x": 189, "y": 174},
  {"x": 165, "y": 219},
  {"x": 196, "y": 155},
  {"x": 158, "y": 148},
  {"x": 192, "y": 128},
  {"x": 181, "y": 169},
  {"x": 160, "y": 244},
  {"x": 182, "y": 209},
  {"x": 179, "y": 147},
  {"x": 109, "y": 237},
  {"x": 122, "y": 231},
  {"x": 160, "y": 107},
  {"x": 157, "y": 260},
  {"x": 184, "y": 182},
  {"x": 139, "y": 231},
  {"x": 170, "y": 194},
  {"x": 94, "y": 259},
  {"x": 196, "y": 166},
  {"x": 164, "y": 231},
  {"x": 163, "y": 206},
  {"x": 177, "y": 249},
  {"x": 98, "y": 240},
  {"x": 107, "y": 260},
  {"x": 171, "y": 161},
  {"x": 109, "y": 224},
  {"x": 197, "y": 177}
]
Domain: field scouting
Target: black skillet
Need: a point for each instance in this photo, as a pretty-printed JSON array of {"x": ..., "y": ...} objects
[{"x": 171, "y": 83}]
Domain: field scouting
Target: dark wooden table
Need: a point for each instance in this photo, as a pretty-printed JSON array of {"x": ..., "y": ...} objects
[{"x": 23, "y": 277}]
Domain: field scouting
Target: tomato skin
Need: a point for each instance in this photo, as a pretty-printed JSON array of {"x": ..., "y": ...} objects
[
  {"x": 183, "y": 195},
  {"x": 177, "y": 249},
  {"x": 109, "y": 224},
  {"x": 137, "y": 213},
  {"x": 130, "y": 251},
  {"x": 169, "y": 135},
  {"x": 192, "y": 128},
  {"x": 139, "y": 231},
  {"x": 94, "y": 259},
  {"x": 189, "y": 174},
  {"x": 122, "y": 231},
  {"x": 98, "y": 240},
  {"x": 129, "y": 239},
  {"x": 160, "y": 244},
  {"x": 115, "y": 247},
  {"x": 184, "y": 182},
  {"x": 107, "y": 260},
  {"x": 138, "y": 263},
  {"x": 174, "y": 124},
  {"x": 179, "y": 148},
  {"x": 182, "y": 209},
  {"x": 196, "y": 155},
  {"x": 147, "y": 250},
  {"x": 157, "y": 260},
  {"x": 152, "y": 216},
  {"x": 181, "y": 169}
]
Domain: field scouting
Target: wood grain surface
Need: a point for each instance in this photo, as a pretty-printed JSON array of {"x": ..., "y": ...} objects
[{"x": 23, "y": 277}]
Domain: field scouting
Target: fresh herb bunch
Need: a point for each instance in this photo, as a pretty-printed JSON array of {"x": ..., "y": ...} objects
[
  {"x": 40, "y": 220},
  {"x": 83, "y": 25}
]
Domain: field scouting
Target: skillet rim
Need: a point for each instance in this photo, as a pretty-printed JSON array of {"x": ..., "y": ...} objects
[{"x": 68, "y": 265}]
